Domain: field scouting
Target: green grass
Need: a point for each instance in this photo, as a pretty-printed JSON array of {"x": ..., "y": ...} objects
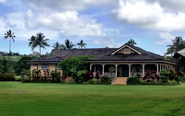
[{"x": 34, "y": 99}]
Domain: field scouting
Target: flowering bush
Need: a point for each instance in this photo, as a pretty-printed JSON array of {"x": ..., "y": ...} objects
[{"x": 151, "y": 75}]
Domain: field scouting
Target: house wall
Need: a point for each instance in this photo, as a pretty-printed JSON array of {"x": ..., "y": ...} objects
[
  {"x": 122, "y": 50},
  {"x": 50, "y": 66}
]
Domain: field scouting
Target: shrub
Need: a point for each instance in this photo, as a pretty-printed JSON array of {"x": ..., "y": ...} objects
[
  {"x": 54, "y": 74},
  {"x": 72, "y": 82},
  {"x": 148, "y": 83},
  {"x": 93, "y": 81},
  {"x": 133, "y": 81},
  {"x": 105, "y": 80},
  {"x": 17, "y": 78},
  {"x": 7, "y": 77}
]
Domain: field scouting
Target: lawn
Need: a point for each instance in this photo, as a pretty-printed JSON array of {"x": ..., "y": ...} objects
[{"x": 41, "y": 99}]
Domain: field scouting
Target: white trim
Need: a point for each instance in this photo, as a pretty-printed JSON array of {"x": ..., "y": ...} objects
[{"x": 124, "y": 47}]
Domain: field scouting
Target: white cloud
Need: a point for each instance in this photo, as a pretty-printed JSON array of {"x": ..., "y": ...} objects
[
  {"x": 69, "y": 23},
  {"x": 58, "y": 5},
  {"x": 166, "y": 38},
  {"x": 2, "y": 1},
  {"x": 150, "y": 16},
  {"x": 106, "y": 41}
]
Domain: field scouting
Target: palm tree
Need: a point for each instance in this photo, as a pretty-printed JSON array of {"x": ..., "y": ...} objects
[
  {"x": 68, "y": 45},
  {"x": 32, "y": 42},
  {"x": 177, "y": 45},
  {"x": 81, "y": 44},
  {"x": 39, "y": 41},
  {"x": 56, "y": 46},
  {"x": 10, "y": 35},
  {"x": 131, "y": 42}
]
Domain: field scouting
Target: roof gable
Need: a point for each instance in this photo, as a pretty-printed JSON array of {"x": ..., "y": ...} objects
[{"x": 123, "y": 48}]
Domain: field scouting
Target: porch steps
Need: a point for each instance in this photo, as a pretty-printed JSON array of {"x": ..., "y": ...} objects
[{"x": 120, "y": 81}]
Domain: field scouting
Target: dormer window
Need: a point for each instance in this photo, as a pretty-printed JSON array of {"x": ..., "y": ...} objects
[{"x": 126, "y": 51}]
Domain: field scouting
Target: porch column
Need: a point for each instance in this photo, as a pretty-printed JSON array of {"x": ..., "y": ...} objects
[
  {"x": 129, "y": 70},
  {"x": 157, "y": 69},
  {"x": 91, "y": 66},
  {"x": 103, "y": 65},
  {"x": 116, "y": 70},
  {"x": 143, "y": 70}
]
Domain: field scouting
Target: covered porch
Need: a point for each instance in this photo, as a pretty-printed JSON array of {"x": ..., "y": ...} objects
[{"x": 127, "y": 69}]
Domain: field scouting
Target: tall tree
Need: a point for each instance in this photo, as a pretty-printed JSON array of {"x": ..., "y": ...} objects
[
  {"x": 178, "y": 44},
  {"x": 56, "y": 46},
  {"x": 81, "y": 44},
  {"x": 68, "y": 45},
  {"x": 10, "y": 35},
  {"x": 131, "y": 42},
  {"x": 32, "y": 42},
  {"x": 38, "y": 40}
]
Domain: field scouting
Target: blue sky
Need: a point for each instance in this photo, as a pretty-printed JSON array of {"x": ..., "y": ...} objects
[{"x": 151, "y": 23}]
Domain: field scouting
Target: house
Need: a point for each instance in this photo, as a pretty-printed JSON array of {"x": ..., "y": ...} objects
[
  {"x": 127, "y": 60},
  {"x": 180, "y": 58}
]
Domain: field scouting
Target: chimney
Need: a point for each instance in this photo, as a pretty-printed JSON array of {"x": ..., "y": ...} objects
[{"x": 164, "y": 55}]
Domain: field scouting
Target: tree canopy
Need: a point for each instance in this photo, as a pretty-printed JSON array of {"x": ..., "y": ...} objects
[
  {"x": 76, "y": 63},
  {"x": 131, "y": 42},
  {"x": 10, "y": 35},
  {"x": 57, "y": 46},
  {"x": 67, "y": 45},
  {"x": 38, "y": 40},
  {"x": 177, "y": 45},
  {"x": 81, "y": 44}
]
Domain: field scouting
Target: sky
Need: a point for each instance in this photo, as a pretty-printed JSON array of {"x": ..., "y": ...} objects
[{"x": 99, "y": 23}]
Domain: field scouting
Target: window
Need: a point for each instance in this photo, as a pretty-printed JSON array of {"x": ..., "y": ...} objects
[
  {"x": 44, "y": 67},
  {"x": 57, "y": 67},
  {"x": 35, "y": 66},
  {"x": 126, "y": 51}
]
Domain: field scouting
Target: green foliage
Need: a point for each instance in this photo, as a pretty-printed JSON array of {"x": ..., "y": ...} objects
[
  {"x": 74, "y": 63},
  {"x": 17, "y": 78},
  {"x": 131, "y": 42},
  {"x": 54, "y": 74},
  {"x": 93, "y": 81},
  {"x": 133, "y": 81},
  {"x": 4, "y": 66},
  {"x": 105, "y": 80},
  {"x": 111, "y": 69},
  {"x": 22, "y": 64},
  {"x": 7, "y": 77},
  {"x": 148, "y": 83},
  {"x": 81, "y": 44}
]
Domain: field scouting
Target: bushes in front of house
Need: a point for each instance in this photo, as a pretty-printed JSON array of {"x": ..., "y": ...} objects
[
  {"x": 7, "y": 77},
  {"x": 165, "y": 77},
  {"x": 133, "y": 81}
]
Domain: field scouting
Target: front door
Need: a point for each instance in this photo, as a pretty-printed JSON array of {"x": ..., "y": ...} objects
[{"x": 125, "y": 71}]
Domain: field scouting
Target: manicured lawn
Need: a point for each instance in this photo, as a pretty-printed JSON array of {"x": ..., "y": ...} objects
[{"x": 34, "y": 99}]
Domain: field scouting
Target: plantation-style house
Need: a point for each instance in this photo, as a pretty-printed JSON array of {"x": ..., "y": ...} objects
[{"x": 128, "y": 60}]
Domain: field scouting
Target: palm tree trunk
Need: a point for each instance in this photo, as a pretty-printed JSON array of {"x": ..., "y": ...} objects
[
  {"x": 9, "y": 49},
  {"x": 40, "y": 50}
]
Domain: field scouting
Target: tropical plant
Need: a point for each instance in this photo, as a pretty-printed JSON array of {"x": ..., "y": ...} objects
[
  {"x": 68, "y": 45},
  {"x": 32, "y": 42},
  {"x": 10, "y": 35},
  {"x": 57, "y": 46},
  {"x": 111, "y": 69},
  {"x": 131, "y": 42},
  {"x": 38, "y": 40},
  {"x": 178, "y": 44},
  {"x": 81, "y": 44}
]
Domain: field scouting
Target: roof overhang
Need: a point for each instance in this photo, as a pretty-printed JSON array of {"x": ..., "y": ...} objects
[{"x": 157, "y": 61}]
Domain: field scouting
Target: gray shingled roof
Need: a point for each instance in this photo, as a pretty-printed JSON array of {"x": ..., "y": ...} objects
[{"x": 101, "y": 54}]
